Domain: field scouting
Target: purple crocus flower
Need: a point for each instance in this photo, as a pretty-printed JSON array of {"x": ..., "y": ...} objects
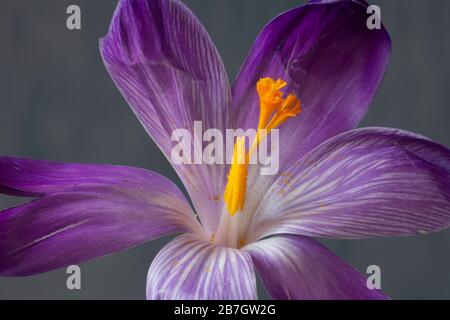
[{"x": 333, "y": 182}]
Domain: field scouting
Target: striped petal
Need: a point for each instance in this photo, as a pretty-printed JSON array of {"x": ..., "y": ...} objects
[
  {"x": 167, "y": 68},
  {"x": 330, "y": 60},
  {"x": 83, "y": 212},
  {"x": 298, "y": 268},
  {"x": 363, "y": 183},
  {"x": 189, "y": 269}
]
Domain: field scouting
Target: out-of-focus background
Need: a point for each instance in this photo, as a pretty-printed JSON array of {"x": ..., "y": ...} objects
[{"x": 58, "y": 103}]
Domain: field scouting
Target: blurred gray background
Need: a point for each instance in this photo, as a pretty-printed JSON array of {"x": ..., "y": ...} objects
[{"x": 57, "y": 102}]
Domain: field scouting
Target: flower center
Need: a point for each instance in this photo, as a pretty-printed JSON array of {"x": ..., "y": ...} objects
[{"x": 274, "y": 111}]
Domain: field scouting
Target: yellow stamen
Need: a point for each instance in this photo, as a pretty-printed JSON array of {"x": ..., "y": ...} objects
[
  {"x": 234, "y": 196},
  {"x": 274, "y": 111}
]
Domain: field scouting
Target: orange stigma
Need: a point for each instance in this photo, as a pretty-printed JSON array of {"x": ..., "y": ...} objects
[{"x": 272, "y": 104}]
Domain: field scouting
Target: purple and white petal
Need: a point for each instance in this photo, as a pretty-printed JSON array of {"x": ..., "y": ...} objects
[
  {"x": 363, "y": 183},
  {"x": 330, "y": 60},
  {"x": 167, "y": 68},
  {"x": 189, "y": 269},
  {"x": 298, "y": 268},
  {"x": 83, "y": 212}
]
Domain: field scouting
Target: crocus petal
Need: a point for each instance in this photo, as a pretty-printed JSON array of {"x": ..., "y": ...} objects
[
  {"x": 82, "y": 212},
  {"x": 189, "y": 269},
  {"x": 363, "y": 183},
  {"x": 170, "y": 73},
  {"x": 330, "y": 60},
  {"x": 298, "y": 268}
]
